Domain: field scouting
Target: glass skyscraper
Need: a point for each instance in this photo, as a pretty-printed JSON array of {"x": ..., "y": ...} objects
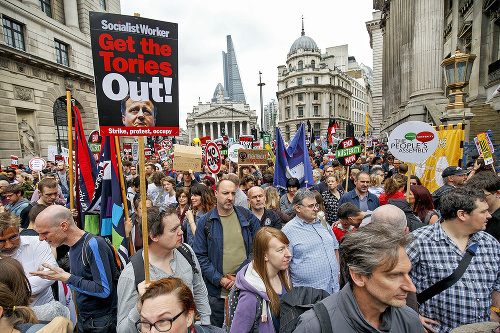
[{"x": 232, "y": 80}]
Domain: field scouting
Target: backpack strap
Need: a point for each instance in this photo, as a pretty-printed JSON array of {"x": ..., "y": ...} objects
[
  {"x": 138, "y": 264},
  {"x": 186, "y": 253},
  {"x": 323, "y": 317},
  {"x": 243, "y": 211},
  {"x": 450, "y": 280},
  {"x": 85, "y": 259},
  {"x": 258, "y": 314},
  {"x": 208, "y": 225}
]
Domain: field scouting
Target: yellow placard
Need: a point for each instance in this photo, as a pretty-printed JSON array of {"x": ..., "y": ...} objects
[
  {"x": 448, "y": 153},
  {"x": 485, "y": 148}
]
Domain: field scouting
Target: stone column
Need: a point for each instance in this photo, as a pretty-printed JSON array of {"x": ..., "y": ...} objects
[
  {"x": 233, "y": 125},
  {"x": 241, "y": 127},
  {"x": 248, "y": 127},
  {"x": 190, "y": 130},
  {"x": 428, "y": 29},
  {"x": 211, "y": 130},
  {"x": 196, "y": 130},
  {"x": 71, "y": 14},
  {"x": 225, "y": 128}
]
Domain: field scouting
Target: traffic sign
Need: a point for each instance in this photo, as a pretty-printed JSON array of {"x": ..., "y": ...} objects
[
  {"x": 348, "y": 151},
  {"x": 37, "y": 164},
  {"x": 167, "y": 144},
  {"x": 213, "y": 158}
]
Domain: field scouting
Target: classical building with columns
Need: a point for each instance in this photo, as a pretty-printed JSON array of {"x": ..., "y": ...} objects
[
  {"x": 416, "y": 36},
  {"x": 220, "y": 116},
  {"x": 44, "y": 51},
  {"x": 315, "y": 87}
]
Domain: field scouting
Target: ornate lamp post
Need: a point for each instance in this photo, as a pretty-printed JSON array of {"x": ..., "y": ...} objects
[{"x": 457, "y": 70}]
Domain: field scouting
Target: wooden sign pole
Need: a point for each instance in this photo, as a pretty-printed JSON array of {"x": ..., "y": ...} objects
[
  {"x": 70, "y": 148},
  {"x": 145, "y": 234}
]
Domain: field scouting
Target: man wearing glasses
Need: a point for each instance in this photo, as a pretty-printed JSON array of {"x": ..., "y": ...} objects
[
  {"x": 313, "y": 246},
  {"x": 30, "y": 252}
]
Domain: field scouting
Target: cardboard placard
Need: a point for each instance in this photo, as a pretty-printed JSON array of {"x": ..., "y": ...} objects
[
  {"x": 187, "y": 158},
  {"x": 253, "y": 156}
]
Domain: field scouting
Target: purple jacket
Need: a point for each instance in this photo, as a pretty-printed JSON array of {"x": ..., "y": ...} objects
[{"x": 250, "y": 283}]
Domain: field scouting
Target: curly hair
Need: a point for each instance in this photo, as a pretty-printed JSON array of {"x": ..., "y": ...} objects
[{"x": 394, "y": 183}]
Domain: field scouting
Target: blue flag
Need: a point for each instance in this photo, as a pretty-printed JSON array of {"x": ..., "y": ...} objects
[
  {"x": 293, "y": 161},
  {"x": 108, "y": 199}
]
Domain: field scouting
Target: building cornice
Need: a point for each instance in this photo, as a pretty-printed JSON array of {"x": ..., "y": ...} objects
[{"x": 36, "y": 61}]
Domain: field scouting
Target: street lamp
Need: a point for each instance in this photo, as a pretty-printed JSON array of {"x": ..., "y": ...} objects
[
  {"x": 457, "y": 70},
  {"x": 261, "y": 84}
]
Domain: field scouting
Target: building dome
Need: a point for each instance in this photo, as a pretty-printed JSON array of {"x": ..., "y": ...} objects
[{"x": 303, "y": 42}]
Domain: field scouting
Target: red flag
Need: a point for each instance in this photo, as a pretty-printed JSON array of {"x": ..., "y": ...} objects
[{"x": 332, "y": 129}]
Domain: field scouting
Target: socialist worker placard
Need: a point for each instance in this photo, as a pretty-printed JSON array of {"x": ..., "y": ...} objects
[{"x": 136, "y": 75}]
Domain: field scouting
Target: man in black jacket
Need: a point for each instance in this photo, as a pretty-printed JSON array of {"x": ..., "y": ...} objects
[{"x": 257, "y": 201}]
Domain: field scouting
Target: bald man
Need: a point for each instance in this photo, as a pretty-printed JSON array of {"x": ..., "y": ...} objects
[
  {"x": 257, "y": 201},
  {"x": 93, "y": 282},
  {"x": 390, "y": 216}
]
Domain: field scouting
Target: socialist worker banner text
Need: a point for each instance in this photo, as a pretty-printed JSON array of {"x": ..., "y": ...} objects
[{"x": 136, "y": 75}]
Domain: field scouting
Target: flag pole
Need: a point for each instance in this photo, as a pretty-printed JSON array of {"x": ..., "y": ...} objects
[
  {"x": 70, "y": 148},
  {"x": 145, "y": 234},
  {"x": 122, "y": 187},
  {"x": 366, "y": 130}
]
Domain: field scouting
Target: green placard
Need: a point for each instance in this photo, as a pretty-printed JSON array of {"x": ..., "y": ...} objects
[{"x": 348, "y": 151}]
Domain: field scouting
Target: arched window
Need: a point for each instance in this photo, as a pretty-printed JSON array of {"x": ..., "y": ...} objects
[
  {"x": 301, "y": 64},
  {"x": 313, "y": 64},
  {"x": 61, "y": 122}
]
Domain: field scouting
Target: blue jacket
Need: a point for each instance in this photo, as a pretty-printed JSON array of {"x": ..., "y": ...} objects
[
  {"x": 209, "y": 248},
  {"x": 353, "y": 197}
]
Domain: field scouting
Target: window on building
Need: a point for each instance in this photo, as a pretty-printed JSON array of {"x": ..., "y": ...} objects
[
  {"x": 286, "y": 84},
  {"x": 317, "y": 129},
  {"x": 287, "y": 113},
  {"x": 287, "y": 132},
  {"x": 299, "y": 81},
  {"x": 288, "y": 100},
  {"x": 301, "y": 97},
  {"x": 297, "y": 126},
  {"x": 61, "y": 122},
  {"x": 103, "y": 4},
  {"x": 301, "y": 111},
  {"x": 62, "y": 53},
  {"x": 316, "y": 96},
  {"x": 45, "y": 7},
  {"x": 13, "y": 33},
  {"x": 313, "y": 64},
  {"x": 316, "y": 80},
  {"x": 316, "y": 110},
  {"x": 301, "y": 64}
]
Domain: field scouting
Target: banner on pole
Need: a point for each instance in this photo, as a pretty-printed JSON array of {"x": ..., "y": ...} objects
[
  {"x": 449, "y": 152},
  {"x": 136, "y": 75}
]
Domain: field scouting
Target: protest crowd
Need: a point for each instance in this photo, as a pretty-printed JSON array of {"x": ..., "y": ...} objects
[{"x": 244, "y": 251}]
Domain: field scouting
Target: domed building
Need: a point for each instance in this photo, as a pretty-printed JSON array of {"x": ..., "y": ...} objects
[{"x": 312, "y": 87}]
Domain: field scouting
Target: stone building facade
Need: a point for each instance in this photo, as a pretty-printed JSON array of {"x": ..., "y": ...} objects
[
  {"x": 222, "y": 116},
  {"x": 44, "y": 51},
  {"x": 313, "y": 87},
  {"x": 417, "y": 36}
]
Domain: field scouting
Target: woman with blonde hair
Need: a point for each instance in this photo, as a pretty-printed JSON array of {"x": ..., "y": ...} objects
[
  {"x": 265, "y": 279},
  {"x": 273, "y": 202},
  {"x": 332, "y": 196},
  {"x": 376, "y": 184}
]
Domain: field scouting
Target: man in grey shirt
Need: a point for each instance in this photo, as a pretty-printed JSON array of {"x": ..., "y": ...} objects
[
  {"x": 377, "y": 267},
  {"x": 165, "y": 260}
]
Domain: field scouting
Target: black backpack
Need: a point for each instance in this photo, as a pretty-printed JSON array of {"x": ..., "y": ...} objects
[
  {"x": 299, "y": 300},
  {"x": 118, "y": 264},
  {"x": 230, "y": 307},
  {"x": 138, "y": 263}
]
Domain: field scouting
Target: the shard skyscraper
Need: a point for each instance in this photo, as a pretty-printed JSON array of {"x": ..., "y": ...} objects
[{"x": 232, "y": 80}]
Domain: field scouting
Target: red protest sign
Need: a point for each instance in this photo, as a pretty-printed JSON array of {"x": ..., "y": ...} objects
[
  {"x": 14, "y": 161},
  {"x": 136, "y": 75}
]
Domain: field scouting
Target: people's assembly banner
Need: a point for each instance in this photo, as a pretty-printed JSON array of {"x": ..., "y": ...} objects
[
  {"x": 449, "y": 152},
  {"x": 136, "y": 75}
]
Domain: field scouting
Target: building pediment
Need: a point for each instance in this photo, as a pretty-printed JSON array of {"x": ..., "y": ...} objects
[{"x": 222, "y": 112}]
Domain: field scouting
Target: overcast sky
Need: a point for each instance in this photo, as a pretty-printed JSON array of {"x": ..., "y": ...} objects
[{"x": 262, "y": 33}]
